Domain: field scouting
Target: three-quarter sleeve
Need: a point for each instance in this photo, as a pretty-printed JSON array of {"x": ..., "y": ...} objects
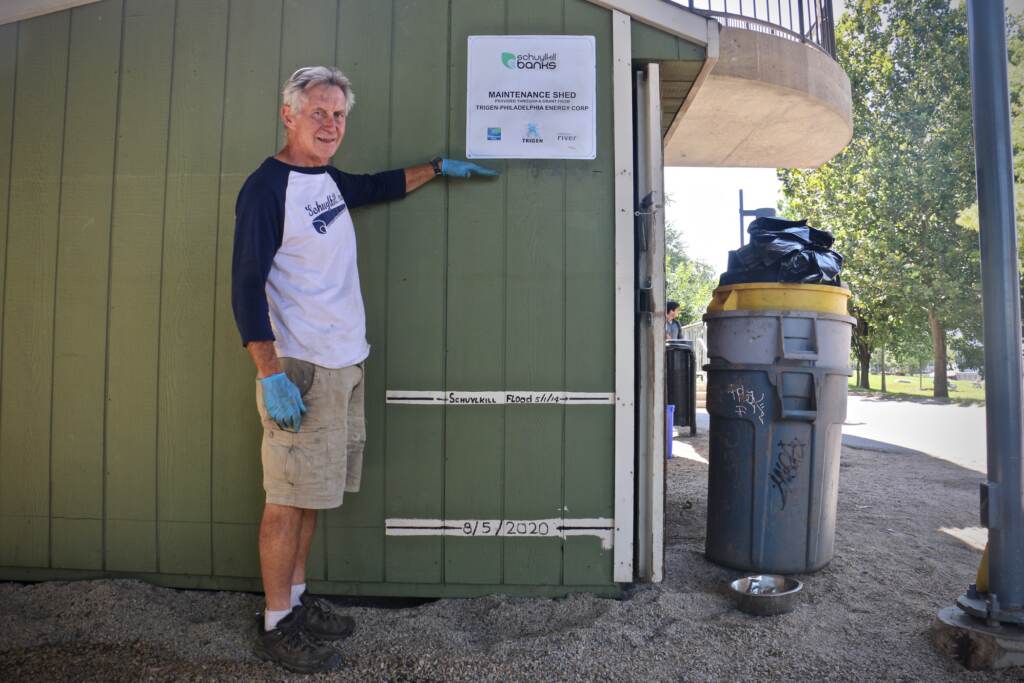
[
  {"x": 359, "y": 190},
  {"x": 259, "y": 227}
]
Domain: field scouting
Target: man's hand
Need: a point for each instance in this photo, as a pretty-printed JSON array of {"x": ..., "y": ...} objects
[
  {"x": 283, "y": 401},
  {"x": 418, "y": 176},
  {"x": 464, "y": 169}
]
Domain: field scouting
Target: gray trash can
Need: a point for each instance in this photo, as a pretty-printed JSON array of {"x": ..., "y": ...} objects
[
  {"x": 777, "y": 387},
  {"x": 786, "y": 337}
]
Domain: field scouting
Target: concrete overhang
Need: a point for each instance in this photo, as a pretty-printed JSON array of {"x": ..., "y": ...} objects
[
  {"x": 768, "y": 102},
  {"x": 17, "y": 10}
]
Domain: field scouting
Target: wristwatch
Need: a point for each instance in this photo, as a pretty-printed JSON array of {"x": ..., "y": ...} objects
[{"x": 436, "y": 164}]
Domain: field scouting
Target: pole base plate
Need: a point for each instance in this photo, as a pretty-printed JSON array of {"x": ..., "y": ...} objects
[{"x": 975, "y": 643}]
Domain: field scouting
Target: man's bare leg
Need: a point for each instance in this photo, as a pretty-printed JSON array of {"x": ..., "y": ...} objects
[
  {"x": 280, "y": 533},
  {"x": 305, "y": 543}
]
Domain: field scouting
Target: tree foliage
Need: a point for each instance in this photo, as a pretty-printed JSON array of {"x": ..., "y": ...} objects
[
  {"x": 687, "y": 280},
  {"x": 892, "y": 198},
  {"x": 1015, "y": 46}
]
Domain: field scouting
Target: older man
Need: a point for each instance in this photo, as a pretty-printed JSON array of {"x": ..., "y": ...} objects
[{"x": 299, "y": 309}]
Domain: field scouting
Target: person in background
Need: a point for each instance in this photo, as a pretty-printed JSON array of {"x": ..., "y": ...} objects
[{"x": 673, "y": 330}]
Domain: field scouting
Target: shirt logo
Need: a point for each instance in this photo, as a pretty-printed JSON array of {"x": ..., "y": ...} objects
[
  {"x": 321, "y": 222},
  {"x": 323, "y": 213}
]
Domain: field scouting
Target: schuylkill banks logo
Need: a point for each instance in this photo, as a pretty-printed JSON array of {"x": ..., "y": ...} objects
[
  {"x": 530, "y": 61},
  {"x": 323, "y": 213}
]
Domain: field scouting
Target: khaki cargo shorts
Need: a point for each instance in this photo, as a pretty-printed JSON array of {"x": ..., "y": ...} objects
[{"x": 314, "y": 467}]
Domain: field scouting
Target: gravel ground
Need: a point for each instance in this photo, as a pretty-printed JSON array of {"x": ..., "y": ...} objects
[{"x": 865, "y": 617}]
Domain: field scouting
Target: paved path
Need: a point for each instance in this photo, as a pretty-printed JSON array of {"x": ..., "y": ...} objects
[
  {"x": 953, "y": 432},
  {"x": 950, "y": 431}
]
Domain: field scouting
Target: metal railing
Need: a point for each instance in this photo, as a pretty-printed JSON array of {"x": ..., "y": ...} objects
[
  {"x": 805, "y": 21},
  {"x": 698, "y": 334}
]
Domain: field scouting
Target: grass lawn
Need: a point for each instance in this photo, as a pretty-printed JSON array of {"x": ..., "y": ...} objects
[{"x": 912, "y": 386}]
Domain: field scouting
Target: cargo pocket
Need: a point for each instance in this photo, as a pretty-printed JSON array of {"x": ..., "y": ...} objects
[
  {"x": 307, "y": 461},
  {"x": 300, "y": 372},
  {"x": 335, "y": 460},
  {"x": 276, "y": 454}
]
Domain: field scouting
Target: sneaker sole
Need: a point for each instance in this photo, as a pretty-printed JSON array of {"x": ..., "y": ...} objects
[{"x": 330, "y": 665}]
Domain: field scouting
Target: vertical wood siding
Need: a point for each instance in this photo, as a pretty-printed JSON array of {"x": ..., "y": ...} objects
[
  {"x": 80, "y": 332},
  {"x": 11, "y": 527},
  {"x": 30, "y": 276},
  {"x": 249, "y": 130},
  {"x": 476, "y": 332},
  {"x": 129, "y": 440}
]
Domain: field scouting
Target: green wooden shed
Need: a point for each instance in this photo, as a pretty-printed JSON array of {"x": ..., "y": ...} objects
[{"x": 129, "y": 438}]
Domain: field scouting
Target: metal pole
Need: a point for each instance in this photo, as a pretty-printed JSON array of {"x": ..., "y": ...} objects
[
  {"x": 741, "y": 218},
  {"x": 1001, "y": 297}
]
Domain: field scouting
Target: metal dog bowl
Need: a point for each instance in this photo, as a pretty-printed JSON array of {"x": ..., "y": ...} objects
[{"x": 766, "y": 594}]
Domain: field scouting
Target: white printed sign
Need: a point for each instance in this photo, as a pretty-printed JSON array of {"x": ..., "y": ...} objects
[
  {"x": 499, "y": 398},
  {"x": 600, "y": 528},
  {"x": 531, "y": 97}
]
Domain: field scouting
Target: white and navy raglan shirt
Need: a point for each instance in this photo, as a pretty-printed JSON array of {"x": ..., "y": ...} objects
[{"x": 294, "y": 279}]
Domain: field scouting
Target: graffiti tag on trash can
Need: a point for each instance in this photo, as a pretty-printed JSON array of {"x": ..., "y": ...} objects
[
  {"x": 748, "y": 404},
  {"x": 787, "y": 466}
]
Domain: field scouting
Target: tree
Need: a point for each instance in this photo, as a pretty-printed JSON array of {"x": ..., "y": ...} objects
[
  {"x": 687, "y": 280},
  {"x": 892, "y": 198},
  {"x": 969, "y": 352}
]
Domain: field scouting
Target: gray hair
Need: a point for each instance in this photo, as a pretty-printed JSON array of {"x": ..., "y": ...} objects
[{"x": 293, "y": 94}]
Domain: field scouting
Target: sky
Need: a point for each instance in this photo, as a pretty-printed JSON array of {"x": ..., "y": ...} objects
[
  {"x": 704, "y": 202},
  {"x": 704, "y": 206}
]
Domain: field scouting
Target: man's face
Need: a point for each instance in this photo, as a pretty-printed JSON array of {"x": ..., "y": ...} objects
[
  {"x": 673, "y": 313},
  {"x": 315, "y": 133}
]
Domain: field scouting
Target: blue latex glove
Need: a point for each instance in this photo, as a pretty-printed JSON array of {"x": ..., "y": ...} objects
[
  {"x": 283, "y": 401},
  {"x": 464, "y": 169}
]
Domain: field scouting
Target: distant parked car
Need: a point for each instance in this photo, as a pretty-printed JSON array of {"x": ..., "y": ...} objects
[{"x": 952, "y": 371}]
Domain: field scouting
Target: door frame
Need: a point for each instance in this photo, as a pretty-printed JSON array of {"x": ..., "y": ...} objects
[
  {"x": 622, "y": 89},
  {"x": 650, "y": 327}
]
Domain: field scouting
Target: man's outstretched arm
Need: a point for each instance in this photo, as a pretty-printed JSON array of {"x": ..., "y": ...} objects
[{"x": 418, "y": 176}]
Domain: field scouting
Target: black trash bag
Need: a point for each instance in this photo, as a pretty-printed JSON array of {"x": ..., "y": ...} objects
[
  {"x": 770, "y": 225},
  {"x": 782, "y": 250},
  {"x": 811, "y": 267}
]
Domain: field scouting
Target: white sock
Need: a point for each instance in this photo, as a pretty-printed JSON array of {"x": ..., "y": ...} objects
[
  {"x": 297, "y": 590},
  {"x": 271, "y": 617}
]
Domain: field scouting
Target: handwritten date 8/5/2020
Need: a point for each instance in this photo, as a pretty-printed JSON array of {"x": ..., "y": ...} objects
[{"x": 503, "y": 527}]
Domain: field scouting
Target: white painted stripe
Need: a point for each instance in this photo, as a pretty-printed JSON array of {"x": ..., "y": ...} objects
[
  {"x": 622, "y": 88},
  {"x": 584, "y": 522},
  {"x": 499, "y": 398},
  {"x": 503, "y": 528}
]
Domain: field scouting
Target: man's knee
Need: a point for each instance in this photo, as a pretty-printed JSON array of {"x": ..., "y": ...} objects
[{"x": 281, "y": 519}]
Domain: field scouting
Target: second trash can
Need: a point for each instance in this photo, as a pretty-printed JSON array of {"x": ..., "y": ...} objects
[
  {"x": 777, "y": 387},
  {"x": 681, "y": 382}
]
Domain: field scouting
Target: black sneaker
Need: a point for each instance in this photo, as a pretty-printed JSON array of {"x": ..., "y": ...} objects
[
  {"x": 290, "y": 646},
  {"x": 322, "y": 620}
]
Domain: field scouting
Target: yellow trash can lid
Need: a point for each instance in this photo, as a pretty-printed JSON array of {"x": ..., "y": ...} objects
[{"x": 780, "y": 296}]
